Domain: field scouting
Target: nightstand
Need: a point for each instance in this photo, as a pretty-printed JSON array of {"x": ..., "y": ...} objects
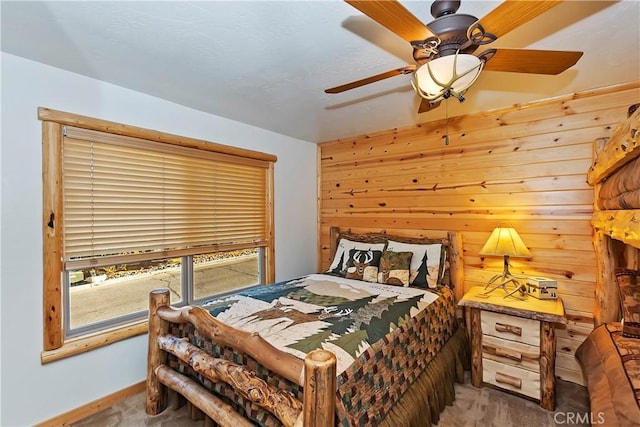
[{"x": 513, "y": 343}]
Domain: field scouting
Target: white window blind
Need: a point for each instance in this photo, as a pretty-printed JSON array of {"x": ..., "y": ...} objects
[{"x": 128, "y": 196}]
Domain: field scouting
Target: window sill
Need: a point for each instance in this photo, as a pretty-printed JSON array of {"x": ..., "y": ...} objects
[{"x": 86, "y": 343}]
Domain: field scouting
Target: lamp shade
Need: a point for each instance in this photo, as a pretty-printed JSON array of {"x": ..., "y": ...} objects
[
  {"x": 438, "y": 73},
  {"x": 505, "y": 241}
]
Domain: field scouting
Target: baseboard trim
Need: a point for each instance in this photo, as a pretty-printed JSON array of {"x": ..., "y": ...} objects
[{"x": 93, "y": 407}]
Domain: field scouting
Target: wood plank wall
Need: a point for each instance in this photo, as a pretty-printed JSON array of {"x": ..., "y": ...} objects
[{"x": 525, "y": 165}]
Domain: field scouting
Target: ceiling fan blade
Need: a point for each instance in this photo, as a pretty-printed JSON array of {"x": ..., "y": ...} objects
[
  {"x": 532, "y": 61},
  {"x": 513, "y": 13},
  {"x": 394, "y": 17},
  {"x": 398, "y": 71},
  {"x": 425, "y": 106}
]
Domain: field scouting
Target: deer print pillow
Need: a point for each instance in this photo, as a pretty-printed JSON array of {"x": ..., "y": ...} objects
[
  {"x": 394, "y": 268},
  {"x": 341, "y": 258},
  {"x": 363, "y": 264}
]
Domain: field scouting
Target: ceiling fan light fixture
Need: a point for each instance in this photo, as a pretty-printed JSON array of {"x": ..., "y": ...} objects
[{"x": 447, "y": 76}]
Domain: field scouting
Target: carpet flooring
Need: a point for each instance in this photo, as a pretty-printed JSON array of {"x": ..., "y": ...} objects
[{"x": 483, "y": 407}]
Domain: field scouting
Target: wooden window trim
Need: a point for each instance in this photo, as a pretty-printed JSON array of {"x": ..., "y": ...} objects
[
  {"x": 70, "y": 119},
  {"x": 54, "y": 344}
]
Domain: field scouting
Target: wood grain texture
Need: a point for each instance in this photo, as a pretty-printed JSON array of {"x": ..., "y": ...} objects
[
  {"x": 527, "y": 313},
  {"x": 156, "y": 391},
  {"x": 511, "y": 14},
  {"x": 476, "y": 346},
  {"x": 623, "y": 225},
  {"x": 623, "y": 147},
  {"x": 316, "y": 373},
  {"x": 511, "y": 378},
  {"x": 319, "y": 389},
  {"x": 52, "y": 222},
  {"x": 616, "y": 233},
  {"x": 84, "y": 122},
  {"x": 270, "y": 251},
  {"x": 607, "y": 305},
  {"x": 394, "y": 17},
  {"x": 216, "y": 409},
  {"x": 525, "y": 164},
  {"x": 243, "y": 380},
  {"x": 547, "y": 366},
  {"x": 516, "y": 349},
  {"x": 83, "y": 344},
  {"x": 513, "y": 352},
  {"x": 532, "y": 61},
  {"x": 285, "y": 364}
]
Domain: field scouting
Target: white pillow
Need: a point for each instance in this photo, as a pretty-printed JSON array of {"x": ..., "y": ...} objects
[
  {"x": 344, "y": 246},
  {"x": 433, "y": 251}
]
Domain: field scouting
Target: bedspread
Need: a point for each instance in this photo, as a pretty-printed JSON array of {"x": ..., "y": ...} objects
[
  {"x": 383, "y": 336},
  {"x": 611, "y": 366}
]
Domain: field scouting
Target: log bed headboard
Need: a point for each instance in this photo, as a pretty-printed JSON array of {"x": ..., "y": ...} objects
[{"x": 616, "y": 233}]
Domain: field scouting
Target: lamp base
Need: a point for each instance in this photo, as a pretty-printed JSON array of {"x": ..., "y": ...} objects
[{"x": 506, "y": 281}]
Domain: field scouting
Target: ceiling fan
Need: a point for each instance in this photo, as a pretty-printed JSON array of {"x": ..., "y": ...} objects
[{"x": 444, "y": 49}]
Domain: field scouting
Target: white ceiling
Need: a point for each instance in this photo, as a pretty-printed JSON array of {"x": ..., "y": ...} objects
[{"x": 266, "y": 63}]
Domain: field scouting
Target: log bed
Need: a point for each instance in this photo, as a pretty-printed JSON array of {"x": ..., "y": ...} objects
[
  {"x": 610, "y": 358},
  {"x": 231, "y": 376},
  {"x": 616, "y": 232}
]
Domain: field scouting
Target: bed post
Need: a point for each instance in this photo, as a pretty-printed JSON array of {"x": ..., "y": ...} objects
[
  {"x": 456, "y": 268},
  {"x": 319, "y": 389},
  {"x": 607, "y": 305},
  {"x": 156, "y": 391},
  {"x": 333, "y": 241}
]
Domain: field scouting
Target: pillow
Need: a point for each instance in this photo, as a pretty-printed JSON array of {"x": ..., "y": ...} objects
[
  {"x": 341, "y": 257},
  {"x": 427, "y": 263},
  {"x": 394, "y": 268},
  {"x": 363, "y": 264},
  {"x": 630, "y": 296}
]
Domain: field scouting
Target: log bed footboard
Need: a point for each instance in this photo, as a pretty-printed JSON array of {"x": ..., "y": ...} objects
[{"x": 316, "y": 374}]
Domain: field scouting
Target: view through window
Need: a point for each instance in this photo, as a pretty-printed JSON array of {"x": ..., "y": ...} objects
[{"x": 98, "y": 295}]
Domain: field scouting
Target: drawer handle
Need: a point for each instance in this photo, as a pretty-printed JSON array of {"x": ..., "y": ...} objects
[
  {"x": 509, "y": 380},
  {"x": 513, "y": 355},
  {"x": 501, "y": 327}
]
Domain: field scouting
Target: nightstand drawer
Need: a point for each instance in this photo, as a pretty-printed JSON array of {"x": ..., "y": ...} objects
[
  {"x": 512, "y": 353},
  {"x": 511, "y": 378},
  {"x": 510, "y": 327}
]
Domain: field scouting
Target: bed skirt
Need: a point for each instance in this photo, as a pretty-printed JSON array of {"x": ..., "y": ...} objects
[{"x": 433, "y": 391}]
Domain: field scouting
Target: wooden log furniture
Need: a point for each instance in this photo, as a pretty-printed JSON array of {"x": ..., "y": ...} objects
[
  {"x": 180, "y": 359},
  {"x": 513, "y": 343},
  {"x": 613, "y": 229},
  {"x": 611, "y": 361},
  {"x": 317, "y": 373}
]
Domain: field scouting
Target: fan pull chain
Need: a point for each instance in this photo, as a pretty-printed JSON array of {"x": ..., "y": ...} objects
[{"x": 446, "y": 122}]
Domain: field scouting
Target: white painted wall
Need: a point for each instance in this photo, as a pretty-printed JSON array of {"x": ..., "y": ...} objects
[{"x": 32, "y": 392}]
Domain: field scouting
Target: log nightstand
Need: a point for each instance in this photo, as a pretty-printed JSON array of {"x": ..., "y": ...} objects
[{"x": 513, "y": 343}]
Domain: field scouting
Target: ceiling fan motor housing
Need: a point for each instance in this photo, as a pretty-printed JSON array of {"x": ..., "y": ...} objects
[
  {"x": 452, "y": 32},
  {"x": 444, "y": 7},
  {"x": 450, "y": 28}
]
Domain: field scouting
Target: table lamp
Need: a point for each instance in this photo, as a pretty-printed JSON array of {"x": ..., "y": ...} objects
[{"x": 505, "y": 241}]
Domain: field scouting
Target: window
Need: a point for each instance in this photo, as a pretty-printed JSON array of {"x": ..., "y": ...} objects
[{"x": 128, "y": 210}]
